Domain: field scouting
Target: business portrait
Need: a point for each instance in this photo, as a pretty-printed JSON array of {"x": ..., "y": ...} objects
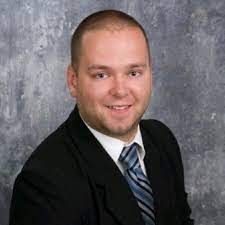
[{"x": 112, "y": 113}]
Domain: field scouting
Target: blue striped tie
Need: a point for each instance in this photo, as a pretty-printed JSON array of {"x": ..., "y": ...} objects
[{"x": 138, "y": 183}]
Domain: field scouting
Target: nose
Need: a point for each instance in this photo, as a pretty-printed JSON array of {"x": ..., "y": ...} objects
[{"x": 119, "y": 87}]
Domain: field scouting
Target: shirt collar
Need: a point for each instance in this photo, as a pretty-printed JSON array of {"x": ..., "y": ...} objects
[{"x": 114, "y": 146}]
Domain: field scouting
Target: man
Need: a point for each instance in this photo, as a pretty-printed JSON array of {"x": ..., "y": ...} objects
[{"x": 104, "y": 165}]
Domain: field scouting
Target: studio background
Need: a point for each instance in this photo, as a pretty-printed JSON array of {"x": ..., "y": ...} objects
[{"x": 187, "y": 40}]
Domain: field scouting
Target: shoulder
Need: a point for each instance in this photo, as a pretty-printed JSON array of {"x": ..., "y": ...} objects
[
  {"x": 54, "y": 165},
  {"x": 158, "y": 130},
  {"x": 49, "y": 151},
  {"x": 48, "y": 180},
  {"x": 165, "y": 141},
  {"x": 55, "y": 158}
]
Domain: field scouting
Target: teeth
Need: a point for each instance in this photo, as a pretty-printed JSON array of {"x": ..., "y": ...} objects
[{"x": 118, "y": 107}]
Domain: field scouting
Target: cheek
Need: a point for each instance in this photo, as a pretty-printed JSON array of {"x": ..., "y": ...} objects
[
  {"x": 92, "y": 94},
  {"x": 143, "y": 90},
  {"x": 146, "y": 88}
]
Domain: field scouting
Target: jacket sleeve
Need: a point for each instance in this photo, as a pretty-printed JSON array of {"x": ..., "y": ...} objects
[{"x": 37, "y": 200}]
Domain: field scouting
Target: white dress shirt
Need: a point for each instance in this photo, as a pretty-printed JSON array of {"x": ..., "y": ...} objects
[{"x": 114, "y": 146}]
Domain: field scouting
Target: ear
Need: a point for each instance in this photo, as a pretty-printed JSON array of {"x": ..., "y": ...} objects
[
  {"x": 151, "y": 77},
  {"x": 72, "y": 80}
]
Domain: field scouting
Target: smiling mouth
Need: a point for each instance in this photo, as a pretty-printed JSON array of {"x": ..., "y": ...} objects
[{"x": 119, "y": 107}]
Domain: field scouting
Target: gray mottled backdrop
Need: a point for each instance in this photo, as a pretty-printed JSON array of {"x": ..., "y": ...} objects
[{"x": 188, "y": 48}]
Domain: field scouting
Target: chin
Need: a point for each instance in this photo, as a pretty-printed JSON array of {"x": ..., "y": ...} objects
[{"x": 121, "y": 130}]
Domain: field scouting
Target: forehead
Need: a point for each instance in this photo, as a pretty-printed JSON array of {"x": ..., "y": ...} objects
[
  {"x": 134, "y": 33},
  {"x": 115, "y": 45}
]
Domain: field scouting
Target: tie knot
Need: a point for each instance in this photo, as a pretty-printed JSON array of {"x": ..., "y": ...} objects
[{"x": 129, "y": 157}]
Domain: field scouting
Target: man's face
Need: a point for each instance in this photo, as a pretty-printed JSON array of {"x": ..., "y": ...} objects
[{"x": 113, "y": 83}]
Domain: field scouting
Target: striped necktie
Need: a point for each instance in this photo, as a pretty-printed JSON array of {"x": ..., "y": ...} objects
[{"x": 138, "y": 183}]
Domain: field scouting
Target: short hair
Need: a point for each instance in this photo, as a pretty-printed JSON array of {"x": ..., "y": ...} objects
[{"x": 106, "y": 19}]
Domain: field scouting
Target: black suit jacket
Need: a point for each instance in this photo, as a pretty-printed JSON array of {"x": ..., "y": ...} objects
[{"x": 71, "y": 180}]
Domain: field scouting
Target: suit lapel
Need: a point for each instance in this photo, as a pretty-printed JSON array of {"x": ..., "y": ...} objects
[
  {"x": 118, "y": 198},
  {"x": 157, "y": 172}
]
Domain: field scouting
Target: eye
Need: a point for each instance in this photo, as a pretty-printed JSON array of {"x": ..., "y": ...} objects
[
  {"x": 134, "y": 73},
  {"x": 101, "y": 75}
]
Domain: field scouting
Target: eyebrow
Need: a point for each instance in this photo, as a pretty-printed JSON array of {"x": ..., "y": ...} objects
[
  {"x": 138, "y": 65},
  {"x": 97, "y": 67},
  {"x": 104, "y": 67}
]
